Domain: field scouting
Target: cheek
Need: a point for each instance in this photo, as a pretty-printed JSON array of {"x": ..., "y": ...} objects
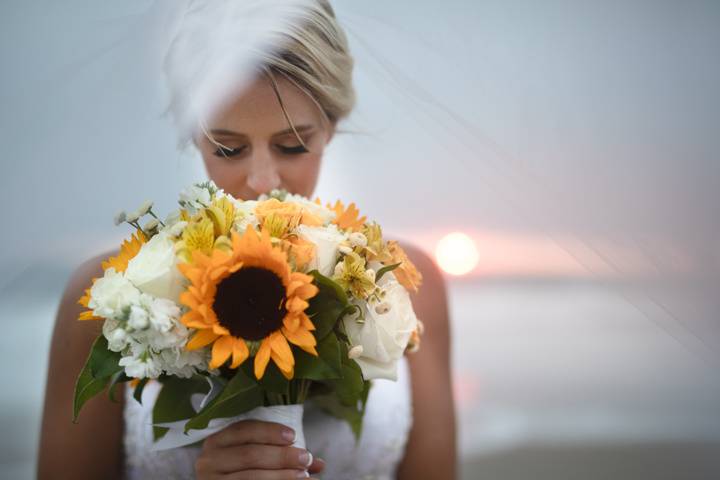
[{"x": 225, "y": 175}]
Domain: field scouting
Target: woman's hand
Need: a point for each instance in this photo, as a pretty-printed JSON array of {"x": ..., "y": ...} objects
[{"x": 252, "y": 449}]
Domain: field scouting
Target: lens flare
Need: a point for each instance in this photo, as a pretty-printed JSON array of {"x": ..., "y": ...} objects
[{"x": 456, "y": 253}]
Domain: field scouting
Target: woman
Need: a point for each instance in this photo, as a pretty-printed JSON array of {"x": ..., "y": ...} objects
[{"x": 271, "y": 134}]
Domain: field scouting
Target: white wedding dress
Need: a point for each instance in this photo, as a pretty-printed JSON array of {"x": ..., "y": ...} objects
[{"x": 388, "y": 419}]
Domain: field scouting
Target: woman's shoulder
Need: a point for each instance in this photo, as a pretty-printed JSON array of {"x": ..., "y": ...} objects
[{"x": 430, "y": 300}]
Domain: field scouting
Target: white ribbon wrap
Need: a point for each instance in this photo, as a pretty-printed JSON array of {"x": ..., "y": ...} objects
[{"x": 288, "y": 415}]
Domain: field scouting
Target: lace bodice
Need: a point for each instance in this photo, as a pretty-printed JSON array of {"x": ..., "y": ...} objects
[{"x": 381, "y": 447}]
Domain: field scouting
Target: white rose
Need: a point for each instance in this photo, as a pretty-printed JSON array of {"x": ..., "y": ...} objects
[
  {"x": 153, "y": 269},
  {"x": 112, "y": 293},
  {"x": 327, "y": 242},
  {"x": 383, "y": 336}
]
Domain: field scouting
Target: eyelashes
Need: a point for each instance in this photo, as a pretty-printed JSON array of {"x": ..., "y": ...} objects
[{"x": 233, "y": 152}]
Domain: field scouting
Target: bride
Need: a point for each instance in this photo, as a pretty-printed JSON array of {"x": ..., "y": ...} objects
[{"x": 269, "y": 134}]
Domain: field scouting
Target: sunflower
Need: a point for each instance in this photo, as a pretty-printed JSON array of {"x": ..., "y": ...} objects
[
  {"x": 248, "y": 301},
  {"x": 128, "y": 250}
]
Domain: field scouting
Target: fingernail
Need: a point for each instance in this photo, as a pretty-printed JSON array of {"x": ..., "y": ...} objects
[
  {"x": 305, "y": 458},
  {"x": 303, "y": 474},
  {"x": 289, "y": 435}
]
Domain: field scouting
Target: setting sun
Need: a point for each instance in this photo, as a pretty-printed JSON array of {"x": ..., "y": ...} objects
[{"x": 456, "y": 253}]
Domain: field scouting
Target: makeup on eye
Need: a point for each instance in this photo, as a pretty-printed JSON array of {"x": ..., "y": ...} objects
[{"x": 224, "y": 151}]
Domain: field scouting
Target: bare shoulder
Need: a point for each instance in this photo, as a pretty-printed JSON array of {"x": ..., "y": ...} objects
[
  {"x": 93, "y": 444},
  {"x": 430, "y": 301}
]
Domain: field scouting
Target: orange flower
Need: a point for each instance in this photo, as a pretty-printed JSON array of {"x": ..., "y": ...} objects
[
  {"x": 346, "y": 218},
  {"x": 290, "y": 212},
  {"x": 251, "y": 297},
  {"x": 406, "y": 273}
]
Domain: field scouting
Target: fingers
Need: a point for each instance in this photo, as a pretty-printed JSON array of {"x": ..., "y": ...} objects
[
  {"x": 254, "y": 456},
  {"x": 251, "y": 431},
  {"x": 268, "y": 475},
  {"x": 317, "y": 465}
]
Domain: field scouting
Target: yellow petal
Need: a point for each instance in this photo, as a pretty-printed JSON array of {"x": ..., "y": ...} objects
[
  {"x": 222, "y": 348},
  {"x": 200, "y": 339},
  {"x": 240, "y": 352},
  {"x": 262, "y": 357}
]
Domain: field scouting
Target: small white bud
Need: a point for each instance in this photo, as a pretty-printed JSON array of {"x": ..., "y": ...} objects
[
  {"x": 382, "y": 308},
  {"x": 357, "y": 239},
  {"x": 355, "y": 352},
  {"x": 370, "y": 273},
  {"x": 120, "y": 217},
  {"x": 144, "y": 208},
  {"x": 132, "y": 217},
  {"x": 151, "y": 225},
  {"x": 177, "y": 229},
  {"x": 344, "y": 249},
  {"x": 138, "y": 318},
  {"x": 339, "y": 269},
  {"x": 118, "y": 336}
]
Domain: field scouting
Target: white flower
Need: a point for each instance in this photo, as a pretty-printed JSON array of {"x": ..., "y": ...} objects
[
  {"x": 120, "y": 217},
  {"x": 153, "y": 269},
  {"x": 151, "y": 224},
  {"x": 117, "y": 337},
  {"x": 383, "y": 336},
  {"x": 181, "y": 362},
  {"x": 163, "y": 314},
  {"x": 111, "y": 294},
  {"x": 195, "y": 196},
  {"x": 357, "y": 239},
  {"x": 138, "y": 318},
  {"x": 144, "y": 208},
  {"x": 327, "y": 242},
  {"x": 140, "y": 366},
  {"x": 177, "y": 228}
]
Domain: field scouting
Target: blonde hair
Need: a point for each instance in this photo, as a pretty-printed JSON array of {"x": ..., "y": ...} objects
[{"x": 308, "y": 47}]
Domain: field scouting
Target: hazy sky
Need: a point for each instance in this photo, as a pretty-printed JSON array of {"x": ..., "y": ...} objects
[{"x": 525, "y": 119}]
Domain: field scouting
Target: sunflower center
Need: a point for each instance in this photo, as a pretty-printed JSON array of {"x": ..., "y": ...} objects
[{"x": 250, "y": 303}]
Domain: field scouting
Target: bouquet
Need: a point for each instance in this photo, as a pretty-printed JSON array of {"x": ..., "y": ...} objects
[{"x": 246, "y": 309}]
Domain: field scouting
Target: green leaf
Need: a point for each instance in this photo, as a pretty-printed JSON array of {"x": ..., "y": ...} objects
[
  {"x": 328, "y": 283},
  {"x": 327, "y": 365},
  {"x": 116, "y": 380},
  {"x": 241, "y": 394},
  {"x": 328, "y": 306},
  {"x": 174, "y": 403},
  {"x": 386, "y": 269},
  {"x": 272, "y": 381},
  {"x": 137, "y": 394},
  {"x": 352, "y": 414},
  {"x": 99, "y": 368}
]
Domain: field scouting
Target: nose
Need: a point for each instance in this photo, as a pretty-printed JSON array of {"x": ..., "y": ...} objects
[{"x": 263, "y": 175}]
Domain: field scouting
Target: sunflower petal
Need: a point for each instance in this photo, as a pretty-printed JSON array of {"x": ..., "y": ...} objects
[
  {"x": 222, "y": 348},
  {"x": 240, "y": 352},
  {"x": 262, "y": 357},
  {"x": 200, "y": 339},
  {"x": 303, "y": 339}
]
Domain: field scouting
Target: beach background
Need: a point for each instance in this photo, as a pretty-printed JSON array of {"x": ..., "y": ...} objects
[{"x": 575, "y": 143}]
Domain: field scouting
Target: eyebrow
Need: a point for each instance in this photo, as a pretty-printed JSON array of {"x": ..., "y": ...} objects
[{"x": 222, "y": 131}]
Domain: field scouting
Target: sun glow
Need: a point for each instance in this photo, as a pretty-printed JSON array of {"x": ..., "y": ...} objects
[{"x": 456, "y": 253}]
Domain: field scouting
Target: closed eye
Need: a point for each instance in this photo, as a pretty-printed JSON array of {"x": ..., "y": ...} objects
[
  {"x": 296, "y": 150},
  {"x": 228, "y": 152}
]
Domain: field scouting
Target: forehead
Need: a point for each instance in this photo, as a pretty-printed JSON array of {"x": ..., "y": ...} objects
[{"x": 256, "y": 109}]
